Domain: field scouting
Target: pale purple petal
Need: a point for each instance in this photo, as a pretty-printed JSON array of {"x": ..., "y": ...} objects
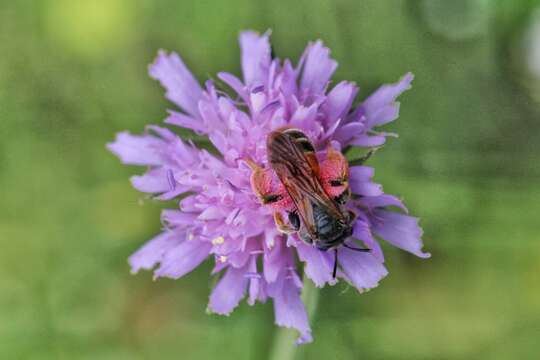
[
  {"x": 399, "y": 230},
  {"x": 178, "y": 119},
  {"x": 178, "y": 218},
  {"x": 152, "y": 252},
  {"x": 274, "y": 260},
  {"x": 256, "y": 59},
  {"x": 360, "y": 181},
  {"x": 362, "y": 232},
  {"x": 319, "y": 264},
  {"x": 182, "y": 259},
  {"x": 234, "y": 83},
  {"x": 339, "y": 100},
  {"x": 229, "y": 291},
  {"x": 346, "y": 132},
  {"x": 289, "y": 309},
  {"x": 380, "y": 107},
  {"x": 182, "y": 88},
  {"x": 373, "y": 202},
  {"x": 137, "y": 149},
  {"x": 318, "y": 68},
  {"x": 153, "y": 181},
  {"x": 368, "y": 140},
  {"x": 364, "y": 270}
]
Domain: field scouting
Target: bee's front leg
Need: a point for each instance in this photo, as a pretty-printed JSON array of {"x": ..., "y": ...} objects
[{"x": 281, "y": 225}]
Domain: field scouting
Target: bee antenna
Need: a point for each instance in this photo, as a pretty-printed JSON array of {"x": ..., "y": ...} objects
[
  {"x": 356, "y": 249},
  {"x": 335, "y": 264}
]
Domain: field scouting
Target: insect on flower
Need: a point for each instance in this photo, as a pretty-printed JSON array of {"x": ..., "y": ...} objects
[
  {"x": 317, "y": 193},
  {"x": 289, "y": 123}
]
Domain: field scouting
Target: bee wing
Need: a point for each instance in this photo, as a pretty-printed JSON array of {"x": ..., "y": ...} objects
[{"x": 292, "y": 157}]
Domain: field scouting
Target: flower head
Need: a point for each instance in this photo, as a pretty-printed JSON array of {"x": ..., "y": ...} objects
[{"x": 220, "y": 216}]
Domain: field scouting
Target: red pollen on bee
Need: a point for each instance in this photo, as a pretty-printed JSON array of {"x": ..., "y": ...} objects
[{"x": 334, "y": 168}]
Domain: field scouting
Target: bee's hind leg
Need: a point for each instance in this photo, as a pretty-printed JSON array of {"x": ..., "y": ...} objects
[{"x": 364, "y": 158}]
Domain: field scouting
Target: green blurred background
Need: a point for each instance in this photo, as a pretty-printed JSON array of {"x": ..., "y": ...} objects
[{"x": 72, "y": 73}]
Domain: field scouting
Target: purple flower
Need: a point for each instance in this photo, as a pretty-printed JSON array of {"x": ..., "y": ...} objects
[{"x": 220, "y": 217}]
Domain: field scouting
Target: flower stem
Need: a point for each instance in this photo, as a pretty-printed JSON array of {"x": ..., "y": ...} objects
[{"x": 284, "y": 347}]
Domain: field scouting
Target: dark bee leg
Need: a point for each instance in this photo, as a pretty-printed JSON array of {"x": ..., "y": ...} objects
[
  {"x": 335, "y": 264},
  {"x": 364, "y": 158},
  {"x": 343, "y": 197},
  {"x": 356, "y": 249},
  {"x": 294, "y": 220},
  {"x": 270, "y": 198},
  {"x": 304, "y": 235}
]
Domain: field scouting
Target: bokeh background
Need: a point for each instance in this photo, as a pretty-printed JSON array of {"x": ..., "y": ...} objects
[{"x": 72, "y": 73}]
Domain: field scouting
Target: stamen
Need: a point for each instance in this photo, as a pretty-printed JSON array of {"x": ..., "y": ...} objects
[
  {"x": 257, "y": 89},
  {"x": 171, "y": 179},
  {"x": 218, "y": 241},
  {"x": 222, "y": 258},
  {"x": 252, "y": 275}
]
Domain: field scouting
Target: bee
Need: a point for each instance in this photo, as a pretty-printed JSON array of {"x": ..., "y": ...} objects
[{"x": 312, "y": 194}]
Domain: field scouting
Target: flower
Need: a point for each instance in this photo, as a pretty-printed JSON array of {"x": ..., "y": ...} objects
[{"x": 219, "y": 216}]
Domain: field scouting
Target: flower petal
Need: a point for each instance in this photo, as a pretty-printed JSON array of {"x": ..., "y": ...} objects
[
  {"x": 339, "y": 100},
  {"x": 380, "y": 107},
  {"x": 360, "y": 181},
  {"x": 318, "y": 68},
  {"x": 182, "y": 88},
  {"x": 137, "y": 149},
  {"x": 182, "y": 259},
  {"x": 229, "y": 291},
  {"x": 152, "y": 252},
  {"x": 368, "y": 141},
  {"x": 362, "y": 269},
  {"x": 319, "y": 264},
  {"x": 399, "y": 230},
  {"x": 362, "y": 232},
  {"x": 289, "y": 309},
  {"x": 384, "y": 200},
  {"x": 153, "y": 181},
  {"x": 255, "y": 58},
  {"x": 178, "y": 119}
]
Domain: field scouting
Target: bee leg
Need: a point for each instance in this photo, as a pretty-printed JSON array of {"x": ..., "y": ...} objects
[
  {"x": 335, "y": 264},
  {"x": 304, "y": 235},
  {"x": 364, "y": 158},
  {"x": 281, "y": 226},
  {"x": 356, "y": 249},
  {"x": 294, "y": 220},
  {"x": 343, "y": 197}
]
